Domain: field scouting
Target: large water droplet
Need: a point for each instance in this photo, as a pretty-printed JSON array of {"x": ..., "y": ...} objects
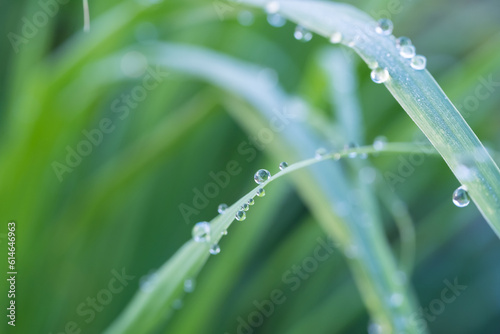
[
  {"x": 189, "y": 285},
  {"x": 320, "y": 153},
  {"x": 461, "y": 197},
  {"x": 379, "y": 75},
  {"x": 407, "y": 51},
  {"x": 245, "y": 207},
  {"x": 418, "y": 62},
  {"x": 215, "y": 249},
  {"x": 302, "y": 34},
  {"x": 276, "y": 20},
  {"x": 261, "y": 176},
  {"x": 201, "y": 232},
  {"x": 240, "y": 215},
  {"x": 336, "y": 37},
  {"x": 272, "y": 7},
  {"x": 245, "y": 18},
  {"x": 283, "y": 165},
  {"x": 261, "y": 192},
  {"x": 379, "y": 143},
  {"x": 222, "y": 208},
  {"x": 384, "y": 27},
  {"x": 403, "y": 41}
]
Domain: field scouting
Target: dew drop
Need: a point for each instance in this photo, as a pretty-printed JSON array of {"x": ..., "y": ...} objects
[
  {"x": 245, "y": 18},
  {"x": 407, "y": 51},
  {"x": 379, "y": 143},
  {"x": 349, "y": 147},
  {"x": 146, "y": 282},
  {"x": 189, "y": 285},
  {"x": 320, "y": 153},
  {"x": 222, "y": 208},
  {"x": 461, "y": 197},
  {"x": 224, "y": 232},
  {"x": 302, "y": 34},
  {"x": 336, "y": 37},
  {"x": 261, "y": 192},
  {"x": 272, "y": 7},
  {"x": 418, "y": 62},
  {"x": 201, "y": 232},
  {"x": 251, "y": 201},
  {"x": 240, "y": 215},
  {"x": 384, "y": 27},
  {"x": 276, "y": 20},
  {"x": 245, "y": 207},
  {"x": 215, "y": 249},
  {"x": 283, "y": 165},
  {"x": 379, "y": 75},
  {"x": 261, "y": 176},
  {"x": 403, "y": 41},
  {"x": 336, "y": 156}
]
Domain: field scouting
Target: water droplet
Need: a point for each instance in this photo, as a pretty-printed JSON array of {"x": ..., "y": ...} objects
[
  {"x": 189, "y": 285},
  {"x": 245, "y": 207},
  {"x": 245, "y": 18},
  {"x": 146, "y": 282},
  {"x": 379, "y": 143},
  {"x": 461, "y": 197},
  {"x": 240, "y": 215},
  {"x": 336, "y": 37},
  {"x": 407, "y": 51},
  {"x": 201, "y": 232},
  {"x": 224, "y": 232},
  {"x": 215, "y": 249},
  {"x": 320, "y": 153},
  {"x": 403, "y": 41},
  {"x": 283, "y": 165},
  {"x": 222, "y": 208},
  {"x": 261, "y": 176},
  {"x": 384, "y": 27},
  {"x": 379, "y": 75},
  {"x": 261, "y": 192},
  {"x": 272, "y": 7},
  {"x": 418, "y": 62},
  {"x": 251, "y": 201},
  {"x": 337, "y": 156},
  {"x": 302, "y": 34},
  {"x": 396, "y": 299},
  {"x": 177, "y": 304},
  {"x": 276, "y": 20},
  {"x": 349, "y": 147}
]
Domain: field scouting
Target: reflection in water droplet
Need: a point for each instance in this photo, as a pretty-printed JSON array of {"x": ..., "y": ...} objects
[
  {"x": 302, "y": 34},
  {"x": 379, "y": 75},
  {"x": 215, "y": 249},
  {"x": 407, "y": 51},
  {"x": 240, "y": 215},
  {"x": 283, "y": 165},
  {"x": 261, "y": 192},
  {"x": 251, "y": 201},
  {"x": 384, "y": 27},
  {"x": 222, "y": 208},
  {"x": 418, "y": 62},
  {"x": 245, "y": 207},
  {"x": 201, "y": 232},
  {"x": 261, "y": 176},
  {"x": 403, "y": 41},
  {"x": 461, "y": 197}
]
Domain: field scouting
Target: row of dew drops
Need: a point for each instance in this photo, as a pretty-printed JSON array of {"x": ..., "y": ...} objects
[
  {"x": 202, "y": 232},
  {"x": 384, "y": 27}
]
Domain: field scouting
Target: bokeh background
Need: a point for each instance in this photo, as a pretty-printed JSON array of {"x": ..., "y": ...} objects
[{"x": 118, "y": 208}]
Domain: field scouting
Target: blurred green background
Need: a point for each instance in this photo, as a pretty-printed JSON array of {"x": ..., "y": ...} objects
[{"x": 119, "y": 207}]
